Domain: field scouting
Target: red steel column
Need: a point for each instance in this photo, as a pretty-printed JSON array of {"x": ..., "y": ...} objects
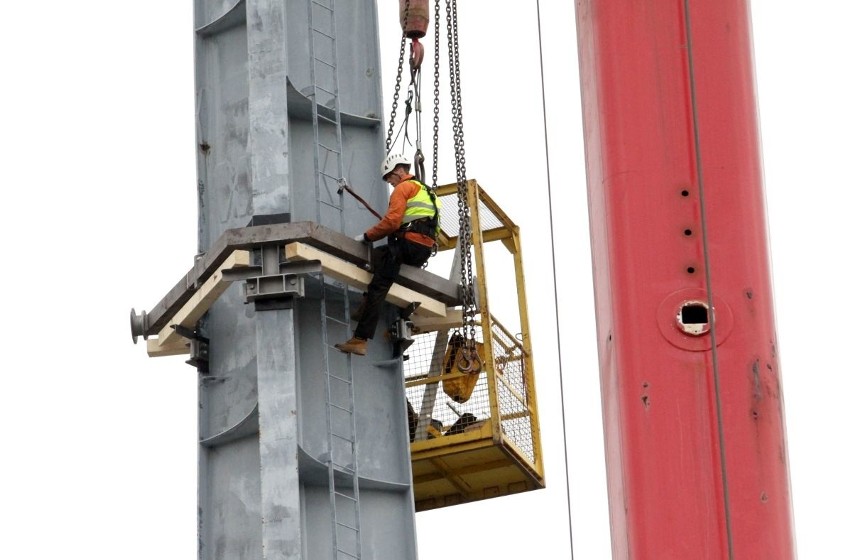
[{"x": 693, "y": 410}]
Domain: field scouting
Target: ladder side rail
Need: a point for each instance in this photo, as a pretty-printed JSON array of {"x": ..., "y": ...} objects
[
  {"x": 323, "y": 149},
  {"x": 340, "y": 446}
]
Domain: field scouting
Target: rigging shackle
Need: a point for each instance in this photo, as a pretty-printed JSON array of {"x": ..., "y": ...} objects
[{"x": 414, "y": 17}]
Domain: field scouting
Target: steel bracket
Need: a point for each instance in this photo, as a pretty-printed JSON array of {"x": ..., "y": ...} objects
[
  {"x": 279, "y": 282},
  {"x": 199, "y": 349}
]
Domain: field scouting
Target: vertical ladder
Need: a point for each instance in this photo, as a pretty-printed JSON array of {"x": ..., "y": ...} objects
[
  {"x": 325, "y": 92},
  {"x": 342, "y": 463}
]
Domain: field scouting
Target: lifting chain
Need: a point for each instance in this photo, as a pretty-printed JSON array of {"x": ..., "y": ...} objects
[
  {"x": 436, "y": 92},
  {"x": 464, "y": 237},
  {"x": 412, "y": 100},
  {"x": 397, "y": 85},
  {"x": 469, "y": 311}
]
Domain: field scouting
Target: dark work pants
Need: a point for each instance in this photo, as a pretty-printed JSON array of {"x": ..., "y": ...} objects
[{"x": 388, "y": 260}]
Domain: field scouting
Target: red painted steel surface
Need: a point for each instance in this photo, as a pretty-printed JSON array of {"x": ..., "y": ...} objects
[{"x": 693, "y": 473}]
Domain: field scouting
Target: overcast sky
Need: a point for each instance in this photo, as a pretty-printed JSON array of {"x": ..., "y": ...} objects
[{"x": 100, "y": 216}]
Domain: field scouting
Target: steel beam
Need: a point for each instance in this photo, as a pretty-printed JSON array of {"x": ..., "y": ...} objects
[{"x": 308, "y": 233}]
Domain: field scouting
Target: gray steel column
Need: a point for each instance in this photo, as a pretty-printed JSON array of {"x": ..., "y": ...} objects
[
  {"x": 267, "y": 102},
  {"x": 277, "y": 408},
  {"x": 262, "y": 482}
]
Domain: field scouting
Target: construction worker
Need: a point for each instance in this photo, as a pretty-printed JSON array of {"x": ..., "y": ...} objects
[{"x": 411, "y": 226}]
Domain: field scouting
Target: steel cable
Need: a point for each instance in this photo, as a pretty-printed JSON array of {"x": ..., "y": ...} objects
[
  {"x": 705, "y": 248},
  {"x": 555, "y": 290}
]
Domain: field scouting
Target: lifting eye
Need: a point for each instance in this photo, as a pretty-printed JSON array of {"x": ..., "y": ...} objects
[{"x": 694, "y": 318}]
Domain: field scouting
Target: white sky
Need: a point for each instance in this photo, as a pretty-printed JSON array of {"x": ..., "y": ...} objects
[{"x": 100, "y": 216}]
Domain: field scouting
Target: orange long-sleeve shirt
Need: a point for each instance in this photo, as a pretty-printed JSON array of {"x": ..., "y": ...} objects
[{"x": 392, "y": 220}]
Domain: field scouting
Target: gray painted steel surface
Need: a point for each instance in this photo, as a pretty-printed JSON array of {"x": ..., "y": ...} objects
[{"x": 263, "y": 488}]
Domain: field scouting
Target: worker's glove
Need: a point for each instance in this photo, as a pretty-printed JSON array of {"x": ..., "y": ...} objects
[{"x": 361, "y": 238}]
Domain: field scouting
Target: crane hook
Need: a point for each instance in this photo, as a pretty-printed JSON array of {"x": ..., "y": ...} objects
[
  {"x": 469, "y": 361},
  {"x": 417, "y": 54}
]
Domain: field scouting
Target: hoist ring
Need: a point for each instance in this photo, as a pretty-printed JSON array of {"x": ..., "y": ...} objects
[
  {"x": 417, "y": 54},
  {"x": 467, "y": 362}
]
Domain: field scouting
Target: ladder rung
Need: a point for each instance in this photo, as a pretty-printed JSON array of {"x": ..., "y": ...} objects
[
  {"x": 347, "y": 468},
  {"x": 329, "y": 120},
  {"x": 326, "y": 179},
  {"x": 335, "y": 319},
  {"x": 342, "y": 495},
  {"x": 344, "y": 469},
  {"x": 347, "y": 439},
  {"x": 340, "y": 408},
  {"x": 322, "y": 89},
  {"x": 344, "y": 437},
  {"x": 328, "y": 176},
  {"x": 321, "y": 5},
  {"x": 313, "y": 93},
  {"x": 323, "y": 61},
  {"x": 336, "y": 207},
  {"x": 341, "y": 551},
  {"x": 323, "y": 33},
  {"x": 341, "y": 379},
  {"x": 351, "y": 528},
  {"x": 329, "y": 149}
]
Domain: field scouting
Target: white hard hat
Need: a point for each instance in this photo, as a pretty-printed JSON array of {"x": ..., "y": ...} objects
[{"x": 391, "y": 161}]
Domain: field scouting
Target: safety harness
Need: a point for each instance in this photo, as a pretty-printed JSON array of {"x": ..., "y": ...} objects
[{"x": 428, "y": 225}]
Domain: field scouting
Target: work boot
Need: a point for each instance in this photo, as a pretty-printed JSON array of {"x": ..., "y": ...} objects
[{"x": 354, "y": 345}]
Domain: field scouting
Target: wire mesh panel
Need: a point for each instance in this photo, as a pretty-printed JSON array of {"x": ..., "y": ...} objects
[
  {"x": 513, "y": 397},
  {"x": 426, "y": 377},
  {"x": 429, "y": 390}
]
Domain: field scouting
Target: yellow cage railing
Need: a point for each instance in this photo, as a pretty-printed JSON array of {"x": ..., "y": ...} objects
[{"x": 482, "y": 441}]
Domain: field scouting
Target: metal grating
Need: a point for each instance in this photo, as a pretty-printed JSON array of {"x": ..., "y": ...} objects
[{"x": 425, "y": 361}]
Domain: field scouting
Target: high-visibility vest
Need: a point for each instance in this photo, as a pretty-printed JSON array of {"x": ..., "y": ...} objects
[{"x": 422, "y": 205}]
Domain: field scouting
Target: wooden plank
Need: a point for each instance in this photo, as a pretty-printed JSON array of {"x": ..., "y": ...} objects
[
  {"x": 452, "y": 320},
  {"x": 169, "y": 342},
  {"x": 359, "y": 278},
  {"x": 176, "y": 348}
]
